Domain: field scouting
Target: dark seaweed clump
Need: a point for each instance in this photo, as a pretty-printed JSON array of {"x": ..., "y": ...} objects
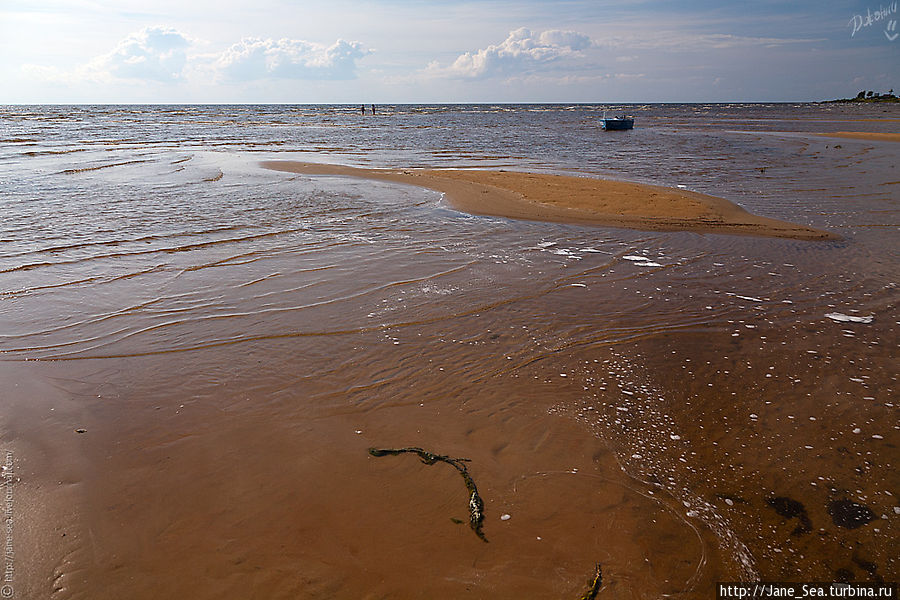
[
  {"x": 849, "y": 514},
  {"x": 595, "y": 584},
  {"x": 790, "y": 509},
  {"x": 476, "y": 504}
]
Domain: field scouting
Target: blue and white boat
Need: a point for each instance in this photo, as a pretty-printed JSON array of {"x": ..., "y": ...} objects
[{"x": 617, "y": 123}]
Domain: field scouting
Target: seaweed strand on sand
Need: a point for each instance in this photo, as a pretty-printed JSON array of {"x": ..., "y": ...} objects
[
  {"x": 476, "y": 504},
  {"x": 596, "y": 582}
]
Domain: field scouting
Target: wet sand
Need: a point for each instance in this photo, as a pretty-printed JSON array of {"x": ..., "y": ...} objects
[
  {"x": 207, "y": 473},
  {"x": 581, "y": 200},
  {"x": 281, "y": 504}
]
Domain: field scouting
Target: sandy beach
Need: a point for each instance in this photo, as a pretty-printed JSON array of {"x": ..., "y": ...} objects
[
  {"x": 864, "y": 135},
  {"x": 583, "y": 200}
]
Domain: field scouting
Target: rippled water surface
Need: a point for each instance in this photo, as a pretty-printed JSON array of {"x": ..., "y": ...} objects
[{"x": 680, "y": 408}]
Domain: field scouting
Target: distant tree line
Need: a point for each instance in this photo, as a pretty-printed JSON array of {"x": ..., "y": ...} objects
[{"x": 871, "y": 96}]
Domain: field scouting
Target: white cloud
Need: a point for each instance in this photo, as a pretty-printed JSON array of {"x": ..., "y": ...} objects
[
  {"x": 687, "y": 42},
  {"x": 163, "y": 55},
  {"x": 522, "y": 51},
  {"x": 254, "y": 58},
  {"x": 154, "y": 53}
]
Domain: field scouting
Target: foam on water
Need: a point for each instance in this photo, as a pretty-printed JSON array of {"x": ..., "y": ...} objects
[
  {"x": 842, "y": 318},
  {"x": 634, "y": 419}
]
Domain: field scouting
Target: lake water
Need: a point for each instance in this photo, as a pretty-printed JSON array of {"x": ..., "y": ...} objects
[{"x": 196, "y": 354}]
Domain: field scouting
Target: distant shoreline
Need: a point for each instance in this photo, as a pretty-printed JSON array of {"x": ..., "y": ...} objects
[
  {"x": 863, "y": 135},
  {"x": 888, "y": 98}
]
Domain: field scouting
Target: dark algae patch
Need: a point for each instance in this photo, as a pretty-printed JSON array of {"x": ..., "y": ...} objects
[
  {"x": 849, "y": 514},
  {"x": 476, "y": 504},
  {"x": 790, "y": 509}
]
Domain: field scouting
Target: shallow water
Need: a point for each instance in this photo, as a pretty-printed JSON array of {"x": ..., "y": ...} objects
[{"x": 231, "y": 340}]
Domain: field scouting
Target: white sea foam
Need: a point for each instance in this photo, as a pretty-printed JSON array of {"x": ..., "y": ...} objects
[
  {"x": 749, "y": 298},
  {"x": 639, "y": 409},
  {"x": 565, "y": 252},
  {"x": 842, "y": 318},
  {"x": 641, "y": 261}
]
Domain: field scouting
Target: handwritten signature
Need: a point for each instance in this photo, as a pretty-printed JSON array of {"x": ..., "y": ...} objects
[{"x": 858, "y": 22}]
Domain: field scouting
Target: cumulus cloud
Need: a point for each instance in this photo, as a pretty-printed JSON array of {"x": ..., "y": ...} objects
[
  {"x": 155, "y": 53},
  {"x": 164, "y": 55},
  {"x": 521, "y": 51},
  {"x": 254, "y": 58}
]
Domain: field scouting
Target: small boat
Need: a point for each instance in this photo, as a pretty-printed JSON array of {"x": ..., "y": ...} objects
[{"x": 617, "y": 123}]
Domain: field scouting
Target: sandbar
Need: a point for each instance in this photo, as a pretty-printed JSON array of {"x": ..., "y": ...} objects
[
  {"x": 575, "y": 199},
  {"x": 864, "y": 135}
]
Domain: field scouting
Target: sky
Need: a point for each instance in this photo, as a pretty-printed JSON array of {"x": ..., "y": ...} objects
[{"x": 417, "y": 51}]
